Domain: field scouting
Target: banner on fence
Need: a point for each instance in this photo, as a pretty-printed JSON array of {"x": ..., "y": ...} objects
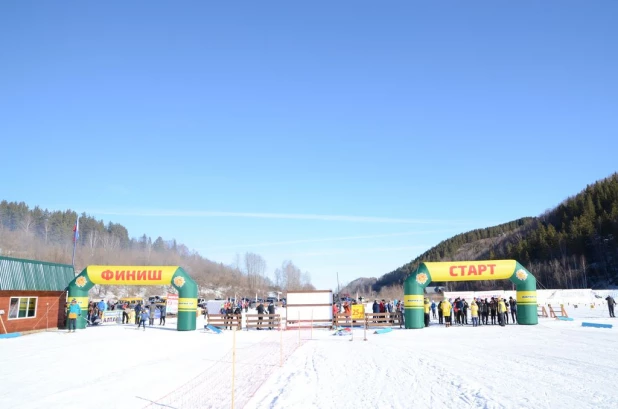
[
  {"x": 111, "y": 317},
  {"x": 358, "y": 312}
]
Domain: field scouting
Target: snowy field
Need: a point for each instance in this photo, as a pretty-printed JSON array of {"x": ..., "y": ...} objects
[{"x": 555, "y": 364}]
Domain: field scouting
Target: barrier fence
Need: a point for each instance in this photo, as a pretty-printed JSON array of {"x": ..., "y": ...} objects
[{"x": 369, "y": 320}]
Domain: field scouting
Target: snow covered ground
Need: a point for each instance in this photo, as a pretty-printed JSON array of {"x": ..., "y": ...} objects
[{"x": 555, "y": 364}]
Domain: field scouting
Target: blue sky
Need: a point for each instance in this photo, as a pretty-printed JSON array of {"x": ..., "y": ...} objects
[{"x": 347, "y": 136}]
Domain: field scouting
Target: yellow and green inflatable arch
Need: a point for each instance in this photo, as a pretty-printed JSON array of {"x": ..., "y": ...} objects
[
  {"x": 525, "y": 283},
  {"x": 139, "y": 275}
]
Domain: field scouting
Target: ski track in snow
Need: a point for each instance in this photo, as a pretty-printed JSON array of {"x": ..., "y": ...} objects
[{"x": 552, "y": 365}]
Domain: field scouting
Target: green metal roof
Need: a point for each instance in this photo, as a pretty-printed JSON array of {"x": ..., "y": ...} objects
[{"x": 19, "y": 274}]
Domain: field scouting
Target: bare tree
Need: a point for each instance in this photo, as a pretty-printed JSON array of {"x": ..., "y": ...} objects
[
  {"x": 92, "y": 240},
  {"x": 255, "y": 267}
]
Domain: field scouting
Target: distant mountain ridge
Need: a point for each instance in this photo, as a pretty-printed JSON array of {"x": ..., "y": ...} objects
[{"x": 571, "y": 246}]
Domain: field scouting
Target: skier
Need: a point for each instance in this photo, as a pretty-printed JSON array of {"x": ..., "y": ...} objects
[
  {"x": 440, "y": 316},
  {"x": 433, "y": 309},
  {"x": 74, "y": 312},
  {"x": 610, "y": 305}
]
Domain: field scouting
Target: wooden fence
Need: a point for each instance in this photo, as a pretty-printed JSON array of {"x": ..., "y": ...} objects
[
  {"x": 263, "y": 321},
  {"x": 383, "y": 319},
  {"x": 224, "y": 321}
]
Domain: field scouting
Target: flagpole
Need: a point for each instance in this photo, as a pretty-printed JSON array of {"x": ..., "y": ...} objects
[{"x": 75, "y": 236}]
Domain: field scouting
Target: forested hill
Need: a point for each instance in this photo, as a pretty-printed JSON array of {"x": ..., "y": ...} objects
[
  {"x": 572, "y": 246},
  {"x": 40, "y": 234}
]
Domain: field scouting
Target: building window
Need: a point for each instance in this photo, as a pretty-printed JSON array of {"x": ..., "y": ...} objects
[{"x": 22, "y": 307}]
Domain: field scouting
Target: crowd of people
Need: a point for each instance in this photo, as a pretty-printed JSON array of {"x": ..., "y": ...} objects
[
  {"x": 482, "y": 311},
  {"x": 139, "y": 313}
]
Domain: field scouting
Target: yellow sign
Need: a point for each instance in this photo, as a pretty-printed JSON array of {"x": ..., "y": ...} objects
[
  {"x": 526, "y": 297},
  {"x": 471, "y": 270},
  {"x": 82, "y": 302},
  {"x": 358, "y": 311},
  {"x": 131, "y": 275},
  {"x": 187, "y": 304},
  {"x": 413, "y": 301}
]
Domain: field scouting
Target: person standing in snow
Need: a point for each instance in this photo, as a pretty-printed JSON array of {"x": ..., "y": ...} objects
[
  {"x": 260, "y": 311},
  {"x": 271, "y": 311},
  {"x": 474, "y": 313},
  {"x": 501, "y": 312},
  {"x": 464, "y": 311},
  {"x": 513, "y": 305},
  {"x": 446, "y": 311},
  {"x": 506, "y": 311},
  {"x": 433, "y": 309},
  {"x": 138, "y": 310},
  {"x": 151, "y": 312},
  {"x": 440, "y": 316},
  {"x": 493, "y": 310},
  {"x": 102, "y": 307},
  {"x": 610, "y": 305},
  {"x": 74, "y": 312},
  {"x": 145, "y": 316},
  {"x": 427, "y": 308},
  {"x": 163, "y": 312}
]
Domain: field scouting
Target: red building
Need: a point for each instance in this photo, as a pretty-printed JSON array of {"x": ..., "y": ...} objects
[{"x": 32, "y": 295}]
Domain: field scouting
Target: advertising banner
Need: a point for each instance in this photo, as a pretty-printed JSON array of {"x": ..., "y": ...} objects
[
  {"x": 172, "y": 304},
  {"x": 131, "y": 275},
  {"x": 471, "y": 270},
  {"x": 358, "y": 312}
]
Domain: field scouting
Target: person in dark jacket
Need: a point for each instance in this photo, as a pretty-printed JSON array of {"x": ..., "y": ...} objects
[
  {"x": 485, "y": 312},
  {"x": 493, "y": 310},
  {"x": 271, "y": 311},
  {"x": 260, "y": 311},
  {"x": 376, "y": 307},
  {"x": 440, "y": 316},
  {"x": 464, "y": 310},
  {"x": 229, "y": 312},
  {"x": 610, "y": 305},
  {"x": 513, "y": 305},
  {"x": 459, "y": 313},
  {"x": 163, "y": 311},
  {"x": 138, "y": 310}
]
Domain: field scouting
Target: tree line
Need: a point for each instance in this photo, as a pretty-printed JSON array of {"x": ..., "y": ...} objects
[
  {"x": 46, "y": 235},
  {"x": 571, "y": 246}
]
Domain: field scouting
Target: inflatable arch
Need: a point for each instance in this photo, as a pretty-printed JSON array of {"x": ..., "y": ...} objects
[
  {"x": 470, "y": 271},
  {"x": 139, "y": 275}
]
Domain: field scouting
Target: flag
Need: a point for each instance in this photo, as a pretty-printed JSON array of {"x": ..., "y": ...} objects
[{"x": 76, "y": 230}]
